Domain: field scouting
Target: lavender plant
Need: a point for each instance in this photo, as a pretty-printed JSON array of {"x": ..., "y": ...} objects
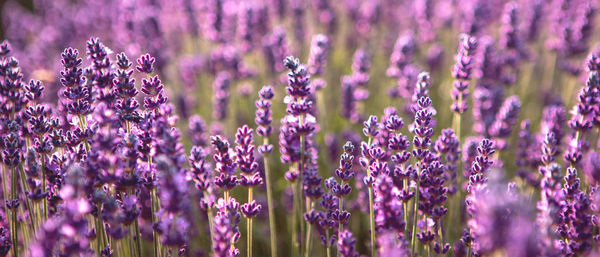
[{"x": 105, "y": 155}]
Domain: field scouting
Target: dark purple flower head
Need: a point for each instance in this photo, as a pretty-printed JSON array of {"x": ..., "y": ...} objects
[
  {"x": 245, "y": 150},
  {"x": 250, "y": 210},
  {"x": 145, "y": 64},
  {"x": 349, "y": 99},
  {"x": 264, "y": 116},
  {"x": 371, "y": 127},
  {"x": 483, "y": 161},
  {"x": 153, "y": 88},
  {"x": 593, "y": 62},
  {"x": 421, "y": 89},
  {"x": 298, "y": 78},
  {"x": 4, "y": 49},
  {"x": 346, "y": 244},
  {"x": 224, "y": 164},
  {"x": 462, "y": 72},
  {"x": 34, "y": 90},
  {"x": 225, "y": 228},
  {"x": 345, "y": 171},
  {"x": 423, "y": 129}
]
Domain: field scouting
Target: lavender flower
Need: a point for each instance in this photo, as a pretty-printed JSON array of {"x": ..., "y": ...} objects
[
  {"x": 345, "y": 244},
  {"x": 264, "y": 117},
  {"x": 224, "y": 164},
  {"x": 319, "y": 51},
  {"x": 506, "y": 118},
  {"x": 221, "y": 95},
  {"x": 462, "y": 73}
]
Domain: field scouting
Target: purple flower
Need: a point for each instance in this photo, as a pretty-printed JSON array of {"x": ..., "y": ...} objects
[
  {"x": 221, "y": 95},
  {"x": 462, "y": 72},
  {"x": 349, "y": 99},
  {"x": 264, "y": 117},
  {"x": 224, "y": 164},
  {"x": 506, "y": 118},
  {"x": 346, "y": 244},
  {"x": 345, "y": 171},
  {"x": 145, "y": 64},
  {"x": 448, "y": 146},
  {"x": 389, "y": 215},
  {"x": 275, "y": 48},
  {"x": 225, "y": 227},
  {"x": 319, "y": 51},
  {"x": 197, "y": 131},
  {"x": 251, "y": 209},
  {"x": 76, "y": 95},
  {"x": 500, "y": 217},
  {"x": 481, "y": 164}
]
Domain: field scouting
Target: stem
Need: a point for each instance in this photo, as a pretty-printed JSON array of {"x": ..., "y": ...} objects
[
  {"x": 308, "y": 233},
  {"x": 328, "y": 246},
  {"x": 428, "y": 250},
  {"x": 210, "y": 226},
  {"x": 82, "y": 125},
  {"x": 300, "y": 209},
  {"x": 138, "y": 237},
  {"x": 154, "y": 205},
  {"x": 372, "y": 222},
  {"x": 413, "y": 240},
  {"x": 340, "y": 225},
  {"x": 249, "y": 226},
  {"x": 371, "y": 211},
  {"x": 45, "y": 201},
  {"x": 27, "y": 203},
  {"x": 13, "y": 190},
  {"x": 271, "y": 208},
  {"x": 295, "y": 246},
  {"x": 4, "y": 180}
]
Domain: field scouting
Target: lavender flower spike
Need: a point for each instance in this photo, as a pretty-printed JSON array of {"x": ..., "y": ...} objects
[{"x": 461, "y": 72}]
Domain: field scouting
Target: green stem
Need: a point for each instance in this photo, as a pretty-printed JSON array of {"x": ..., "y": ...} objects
[
  {"x": 13, "y": 190},
  {"x": 371, "y": 211},
  {"x": 340, "y": 225},
  {"x": 295, "y": 246},
  {"x": 372, "y": 222},
  {"x": 155, "y": 207},
  {"x": 271, "y": 208},
  {"x": 27, "y": 203},
  {"x": 413, "y": 239},
  {"x": 309, "y": 204},
  {"x": 210, "y": 226},
  {"x": 45, "y": 200},
  {"x": 328, "y": 247},
  {"x": 249, "y": 226},
  {"x": 300, "y": 209}
]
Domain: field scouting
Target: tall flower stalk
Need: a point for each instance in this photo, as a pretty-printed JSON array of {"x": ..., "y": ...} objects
[
  {"x": 299, "y": 106},
  {"x": 423, "y": 131},
  {"x": 345, "y": 173},
  {"x": 461, "y": 72},
  {"x": 371, "y": 131},
  {"x": 250, "y": 178},
  {"x": 263, "y": 120}
]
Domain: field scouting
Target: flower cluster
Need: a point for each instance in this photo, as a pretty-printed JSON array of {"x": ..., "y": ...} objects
[{"x": 159, "y": 139}]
